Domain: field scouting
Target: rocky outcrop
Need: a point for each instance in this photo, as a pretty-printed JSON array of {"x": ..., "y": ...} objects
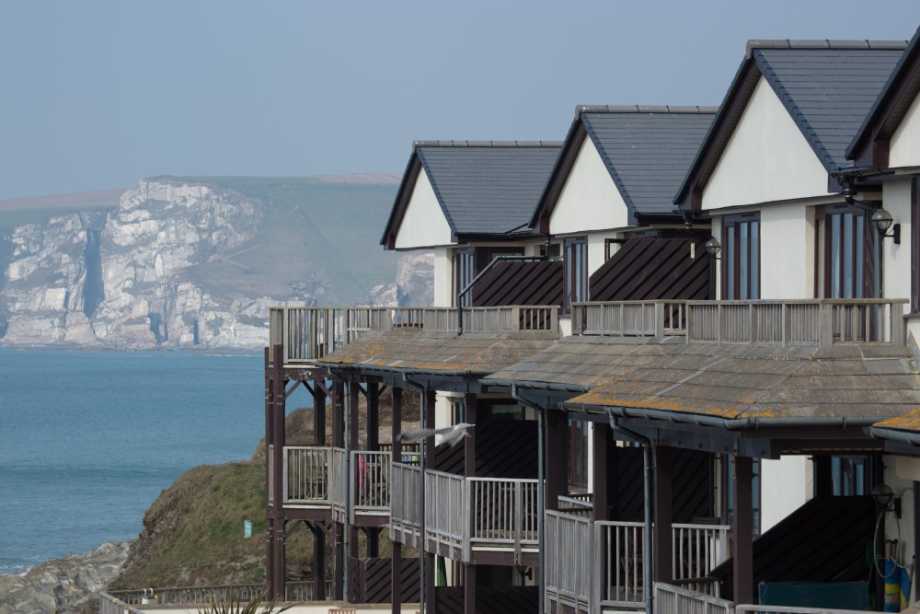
[
  {"x": 191, "y": 263},
  {"x": 62, "y": 586}
]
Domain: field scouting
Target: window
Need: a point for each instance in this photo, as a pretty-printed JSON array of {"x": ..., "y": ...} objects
[
  {"x": 852, "y": 253},
  {"x": 576, "y": 271},
  {"x": 578, "y": 456},
  {"x": 610, "y": 247},
  {"x": 464, "y": 264},
  {"x": 550, "y": 250},
  {"x": 741, "y": 257}
]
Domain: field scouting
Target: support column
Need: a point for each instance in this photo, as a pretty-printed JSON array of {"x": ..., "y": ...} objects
[
  {"x": 557, "y": 457},
  {"x": 430, "y": 598},
  {"x": 338, "y": 529},
  {"x": 742, "y": 557},
  {"x": 373, "y": 444},
  {"x": 278, "y": 398},
  {"x": 319, "y": 412},
  {"x": 269, "y": 484},
  {"x": 470, "y": 403},
  {"x": 319, "y": 561},
  {"x": 601, "y": 457},
  {"x": 351, "y": 443},
  {"x": 396, "y": 556},
  {"x": 664, "y": 471}
]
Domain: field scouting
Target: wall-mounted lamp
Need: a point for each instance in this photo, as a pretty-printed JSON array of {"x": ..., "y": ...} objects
[
  {"x": 713, "y": 247},
  {"x": 883, "y": 221},
  {"x": 886, "y": 499}
]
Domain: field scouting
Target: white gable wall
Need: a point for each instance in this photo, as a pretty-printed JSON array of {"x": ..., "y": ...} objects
[
  {"x": 767, "y": 159},
  {"x": 424, "y": 223},
  {"x": 589, "y": 200},
  {"x": 904, "y": 147}
]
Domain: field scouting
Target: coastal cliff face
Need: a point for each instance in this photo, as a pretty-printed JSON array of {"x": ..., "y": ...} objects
[{"x": 196, "y": 263}]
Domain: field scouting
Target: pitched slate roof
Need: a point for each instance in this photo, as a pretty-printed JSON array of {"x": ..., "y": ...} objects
[
  {"x": 646, "y": 150},
  {"x": 415, "y": 351},
  {"x": 827, "y": 87},
  {"x": 893, "y": 101},
  {"x": 483, "y": 187}
]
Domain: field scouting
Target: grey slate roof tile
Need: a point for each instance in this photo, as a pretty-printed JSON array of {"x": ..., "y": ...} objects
[
  {"x": 828, "y": 90},
  {"x": 647, "y": 149},
  {"x": 487, "y": 187}
]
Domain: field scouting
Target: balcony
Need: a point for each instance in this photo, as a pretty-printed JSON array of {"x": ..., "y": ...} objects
[
  {"x": 307, "y": 334},
  {"x": 819, "y": 322},
  {"x": 600, "y": 562},
  {"x": 466, "y": 519}
]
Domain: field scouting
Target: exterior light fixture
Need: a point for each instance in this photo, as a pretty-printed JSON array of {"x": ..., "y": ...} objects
[
  {"x": 886, "y": 500},
  {"x": 713, "y": 247},
  {"x": 883, "y": 222}
]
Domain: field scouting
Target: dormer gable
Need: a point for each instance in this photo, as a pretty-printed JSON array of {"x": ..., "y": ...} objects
[{"x": 825, "y": 88}]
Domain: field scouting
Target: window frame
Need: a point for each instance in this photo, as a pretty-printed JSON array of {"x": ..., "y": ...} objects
[
  {"x": 731, "y": 257},
  {"x": 869, "y": 246},
  {"x": 571, "y": 246}
]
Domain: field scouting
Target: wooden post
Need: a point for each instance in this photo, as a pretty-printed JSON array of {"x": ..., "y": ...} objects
[
  {"x": 373, "y": 416},
  {"x": 339, "y": 577},
  {"x": 319, "y": 562},
  {"x": 351, "y": 443},
  {"x": 278, "y": 398},
  {"x": 469, "y": 470},
  {"x": 429, "y": 598},
  {"x": 338, "y": 413},
  {"x": 742, "y": 557},
  {"x": 600, "y": 445},
  {"x": 269, "y": 484},
  {"x": 557, "y": 457},
  {"x": 664, "y": 470},
  {"x": 396, "y": 557},
  {"x": 319, "y": 412}
]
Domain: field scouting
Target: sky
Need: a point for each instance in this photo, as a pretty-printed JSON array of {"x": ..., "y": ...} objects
[{"x": 97, "y": 94}]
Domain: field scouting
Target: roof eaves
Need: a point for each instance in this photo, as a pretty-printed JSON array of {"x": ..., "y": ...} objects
[
  {"x": 437, "y": 191},
  {"x": 564, "y": 151},
  {"x": 611, "y": 169},
  {"x": 396, "y": 214},
  {"x": 884, "y": 96}
]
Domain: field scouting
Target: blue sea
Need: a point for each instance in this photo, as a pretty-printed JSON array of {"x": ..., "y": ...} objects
[{"x": 89, "y": 439}]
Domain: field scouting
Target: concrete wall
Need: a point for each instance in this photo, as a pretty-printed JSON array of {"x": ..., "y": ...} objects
[
  {"x": 443, "y": 277},
  {"x": 767, "y": 158},
  {"x": 589, "y": 200},
  {"x": 787, "y": 249},
  {"x": 900, "y": 473},
  {"x": 904, "y": 146},
  {"x": 596, "y": 243},
  {"x": 785, "y": 485},
  {"x": 424, "y": 224}
]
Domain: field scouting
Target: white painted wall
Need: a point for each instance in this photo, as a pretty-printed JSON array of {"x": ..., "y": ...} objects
[
  {"x": 443, "y": 277},
  {"x": 904, "y": 147},
  {"x": 589, "y": 200},
  {"x": 784, "y": 487},
  {"x": 596, "y": 255},
  {"x": 787, "y": 252},
  {"x": 424, "y": 223},
  {"x": 896, "y": 265},
  {"x": 767, "y": 158}
]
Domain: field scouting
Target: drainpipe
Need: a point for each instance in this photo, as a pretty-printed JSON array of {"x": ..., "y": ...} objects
[
  {"x": 647, "y": 470},
  {"x": 541, "y": 503}
]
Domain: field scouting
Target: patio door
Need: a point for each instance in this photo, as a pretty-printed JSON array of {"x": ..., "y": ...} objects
[{"x": 851, "y": 262}]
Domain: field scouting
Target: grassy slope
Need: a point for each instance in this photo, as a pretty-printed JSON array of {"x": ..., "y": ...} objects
[{"x": 193, "y": 532}]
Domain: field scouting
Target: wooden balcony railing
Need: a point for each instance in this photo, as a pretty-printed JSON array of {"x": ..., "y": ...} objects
[
  {"x": 464, "y": 514},
  {"x": 134, "y": 601},
  {"x": 307, "y": 333},
  {"x": 670, "y": 599},
  {"x": 601, "y": 562},
  {"x": 818, "y": 322}
]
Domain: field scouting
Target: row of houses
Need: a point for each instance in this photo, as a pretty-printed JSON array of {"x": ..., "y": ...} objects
[{"x": 670, "y": 362}]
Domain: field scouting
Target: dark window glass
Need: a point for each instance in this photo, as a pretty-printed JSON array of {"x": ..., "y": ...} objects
[
  {"x": 741, "y": 257},
  {"x": 728, "y": 475},
  {"x": 854, "y": 250},
  {"x": 464, "y": 267},
  {"x": 576, "y": 271}
]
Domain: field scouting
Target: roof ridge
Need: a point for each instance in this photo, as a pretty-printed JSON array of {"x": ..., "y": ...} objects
[
  {"x": 643, "y": 108},
  {"x": 822, "y": 43},
  {"x": 472, "y": 143}
]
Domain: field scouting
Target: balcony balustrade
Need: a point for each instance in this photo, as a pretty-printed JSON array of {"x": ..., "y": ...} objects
[
  {"x": 308, "y": 334},
  {"x": 600, "y": 562},
  {"x": 818, "y": 322},
  {"x": 464, "y": 516}
]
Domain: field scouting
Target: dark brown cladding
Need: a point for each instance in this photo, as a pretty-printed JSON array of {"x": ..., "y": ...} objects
[
  {"x": 520, "y": 283},
  {"x": 654, "y": 268}
]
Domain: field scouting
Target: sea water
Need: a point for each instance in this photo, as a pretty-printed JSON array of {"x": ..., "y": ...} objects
[{"x": 88, "y": 439}]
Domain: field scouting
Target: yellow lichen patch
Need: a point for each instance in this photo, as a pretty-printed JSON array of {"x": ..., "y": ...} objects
[
  {"x": 603, "y": 399},
  {"x": 906, "y": 422}
]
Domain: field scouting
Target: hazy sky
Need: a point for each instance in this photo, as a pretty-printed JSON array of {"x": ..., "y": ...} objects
[{"x": 95, "y": 94}]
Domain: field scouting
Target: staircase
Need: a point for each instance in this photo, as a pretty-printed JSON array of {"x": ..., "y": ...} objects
[{"x": 825, "y": 540}]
